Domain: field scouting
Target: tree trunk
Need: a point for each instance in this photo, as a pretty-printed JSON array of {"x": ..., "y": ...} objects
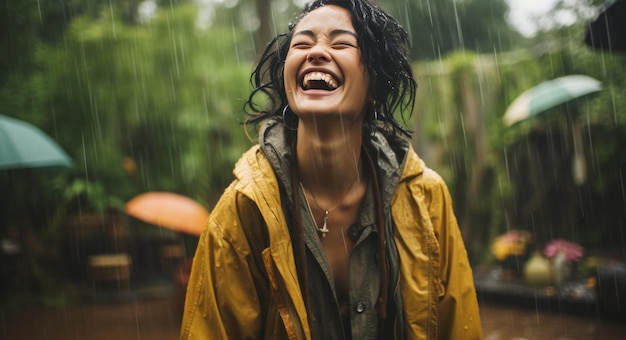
[{"x": 263, "y": 34}]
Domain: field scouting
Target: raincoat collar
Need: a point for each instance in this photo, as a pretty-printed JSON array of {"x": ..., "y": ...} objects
[{"x": 389, "y": 153}]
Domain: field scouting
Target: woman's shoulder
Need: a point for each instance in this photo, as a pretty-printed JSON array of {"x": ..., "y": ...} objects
[
  {"x": 415, "y": 169},
  {"x": 422, "y": 180},
  {"x": 251, "y": 163}
]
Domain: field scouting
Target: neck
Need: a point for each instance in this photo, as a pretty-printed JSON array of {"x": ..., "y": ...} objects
[{"x": 329, "y": 160}]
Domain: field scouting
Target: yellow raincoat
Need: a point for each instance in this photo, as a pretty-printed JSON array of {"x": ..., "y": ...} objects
[{"x": 244, "y": 283}]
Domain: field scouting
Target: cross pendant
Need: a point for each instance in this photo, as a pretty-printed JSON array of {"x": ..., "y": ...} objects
[{"x": 324, "y": 228}]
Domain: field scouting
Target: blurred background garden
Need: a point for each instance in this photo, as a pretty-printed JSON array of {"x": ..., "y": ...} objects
[{"x": 147, "y": 96}]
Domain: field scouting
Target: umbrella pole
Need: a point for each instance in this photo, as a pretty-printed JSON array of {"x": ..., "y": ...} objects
[
  {"x": 579, "y": 172},
  {"x": 579, "y": 166}
]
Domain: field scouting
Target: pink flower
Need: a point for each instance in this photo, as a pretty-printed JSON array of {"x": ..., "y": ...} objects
[{"x": 573, "y": 252}]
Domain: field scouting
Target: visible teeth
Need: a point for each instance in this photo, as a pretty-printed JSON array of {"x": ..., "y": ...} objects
[{"x": 316, "y": 76}]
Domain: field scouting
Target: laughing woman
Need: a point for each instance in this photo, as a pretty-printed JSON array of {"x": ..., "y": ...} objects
[{"x": 333, "y": 227}]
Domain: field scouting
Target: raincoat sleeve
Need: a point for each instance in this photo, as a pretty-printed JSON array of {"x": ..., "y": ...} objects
[
  {"x": 222, "y": 300},
  {"x": 459, "y": 316}
]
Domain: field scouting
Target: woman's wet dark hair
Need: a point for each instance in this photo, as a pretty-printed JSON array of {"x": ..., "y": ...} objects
[{"x": 384, "y": 50}]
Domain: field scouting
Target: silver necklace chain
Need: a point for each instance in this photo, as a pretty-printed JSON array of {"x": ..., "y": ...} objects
[{"x": 324, "y": 229}]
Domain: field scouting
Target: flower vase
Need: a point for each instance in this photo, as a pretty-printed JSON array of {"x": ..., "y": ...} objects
[
  {"x": 537, "y": 271},
  {"x": 561, "y": 269}
]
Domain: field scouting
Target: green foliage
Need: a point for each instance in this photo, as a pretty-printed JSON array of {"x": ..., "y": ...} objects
[
  {"x": 521, "y": 176},
  {"x": 437, "y": 28},
  {"x": 165, "y": 94}
]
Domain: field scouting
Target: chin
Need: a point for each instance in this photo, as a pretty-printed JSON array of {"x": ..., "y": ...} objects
[{"x": 317, "y": 107}]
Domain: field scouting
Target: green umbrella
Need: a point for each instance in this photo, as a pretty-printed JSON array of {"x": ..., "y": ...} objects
[
  {"x": 550, "y": 94},
  {"x": 23, "y": 145}
]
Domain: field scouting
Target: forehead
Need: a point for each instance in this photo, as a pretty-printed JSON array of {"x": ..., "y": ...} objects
[{"x": 329, "y": 17}]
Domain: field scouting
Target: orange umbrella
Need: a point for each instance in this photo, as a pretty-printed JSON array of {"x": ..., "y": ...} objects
[{"x": 169, "y": 210}]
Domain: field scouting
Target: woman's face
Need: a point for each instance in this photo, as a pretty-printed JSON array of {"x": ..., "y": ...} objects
[{"x": 324, "y": 75}]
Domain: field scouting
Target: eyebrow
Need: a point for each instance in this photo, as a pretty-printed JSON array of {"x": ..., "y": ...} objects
[{"x": 333, "y": 33}]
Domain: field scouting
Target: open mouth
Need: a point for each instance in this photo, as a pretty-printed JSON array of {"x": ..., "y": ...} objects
[{"x": 319, "y": 81}]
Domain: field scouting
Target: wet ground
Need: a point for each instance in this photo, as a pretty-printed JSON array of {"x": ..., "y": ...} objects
[
  {"x": 156, "y": 316},
  {"x": 148, "y": 319},
  {"x": 504, "y": 322}
]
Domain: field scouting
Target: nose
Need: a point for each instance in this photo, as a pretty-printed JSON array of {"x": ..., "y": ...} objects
[{"x": 318, "y": 53}]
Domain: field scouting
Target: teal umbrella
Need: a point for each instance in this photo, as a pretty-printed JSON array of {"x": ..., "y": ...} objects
[
  {"x": 23, "y": 145},
  {"x": 550, "y": 94}
]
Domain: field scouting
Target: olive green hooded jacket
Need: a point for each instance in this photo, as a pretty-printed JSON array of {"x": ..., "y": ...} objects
[{"x": 244, "y": 282}]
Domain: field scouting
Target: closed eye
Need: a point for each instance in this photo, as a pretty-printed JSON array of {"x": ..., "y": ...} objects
[
  {"x": 301, "y": 41},
  {"x": 301, "y": 45},
  {"x": 344, "y": 44}
]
